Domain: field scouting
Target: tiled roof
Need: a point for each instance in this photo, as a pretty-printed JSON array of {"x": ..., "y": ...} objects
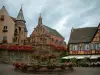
[
  {"x": 82, "y": 34},
  {"x": 53, "y": 31}
]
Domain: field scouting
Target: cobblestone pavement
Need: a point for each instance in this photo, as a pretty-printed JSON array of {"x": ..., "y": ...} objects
[{"x": 9, "y": 70}]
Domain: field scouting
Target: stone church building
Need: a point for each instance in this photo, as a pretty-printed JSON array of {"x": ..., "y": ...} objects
[{"x": 16, "y": 46}]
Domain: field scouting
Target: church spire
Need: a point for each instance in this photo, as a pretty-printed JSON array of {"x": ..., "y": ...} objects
[
  {"x": 20, "y": 15},
  {"x": 40, "y": 20}
]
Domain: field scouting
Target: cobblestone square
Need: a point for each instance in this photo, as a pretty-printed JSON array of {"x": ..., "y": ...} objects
[{"x": 9, "y": 70}]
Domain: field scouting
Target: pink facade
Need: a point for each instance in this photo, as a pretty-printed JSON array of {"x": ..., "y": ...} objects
[{"x": 47, "y": 35}]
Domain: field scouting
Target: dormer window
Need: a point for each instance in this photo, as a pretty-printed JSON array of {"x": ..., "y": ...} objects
[{"x": 2, "y": 18}]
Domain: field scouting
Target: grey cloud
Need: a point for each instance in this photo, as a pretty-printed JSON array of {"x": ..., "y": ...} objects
[{"x": 81, "y": 13}]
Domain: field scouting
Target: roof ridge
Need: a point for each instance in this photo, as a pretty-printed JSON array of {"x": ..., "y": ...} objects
[
  {"x": 87, "y": 32},
  {"x": 53, "y": 31},
  {"x": 49, "y": 27},
  {"x": 85, "y": 27}
]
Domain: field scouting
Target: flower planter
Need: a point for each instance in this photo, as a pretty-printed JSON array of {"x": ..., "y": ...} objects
[
  {"x": 43, "y": 68},
  {"x": 4, "y": 41}
]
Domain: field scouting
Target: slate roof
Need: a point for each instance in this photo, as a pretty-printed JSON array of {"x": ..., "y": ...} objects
[
  {"x": 82, "y": 35},
  {"x": 20, "y": 15},
  {"x": 53, "y": 31},
  {"x": 14, "y": 19}
]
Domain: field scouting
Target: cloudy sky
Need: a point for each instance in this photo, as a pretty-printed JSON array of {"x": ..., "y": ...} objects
[{"x": 61, "y": 15}]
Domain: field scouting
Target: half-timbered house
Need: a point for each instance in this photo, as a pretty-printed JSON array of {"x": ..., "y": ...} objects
[{"x": 85, "y": 41}]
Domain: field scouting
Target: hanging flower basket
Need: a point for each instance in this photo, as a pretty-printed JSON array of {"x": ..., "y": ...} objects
[{"x": 3, "y": 47}]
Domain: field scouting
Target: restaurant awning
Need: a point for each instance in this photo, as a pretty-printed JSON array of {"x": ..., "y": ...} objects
[
  {"x": 83, "y": 56},
  {"x": 76, "y": 56},
  {"x": 94, "y": 56},
  {"x": 68, "y": 57}
]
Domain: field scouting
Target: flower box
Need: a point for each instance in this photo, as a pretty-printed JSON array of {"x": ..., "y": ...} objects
[{"x": 4, "y": 41}]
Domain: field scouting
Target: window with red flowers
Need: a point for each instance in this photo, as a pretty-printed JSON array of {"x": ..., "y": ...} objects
[{"x": 5, "y": 39}]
